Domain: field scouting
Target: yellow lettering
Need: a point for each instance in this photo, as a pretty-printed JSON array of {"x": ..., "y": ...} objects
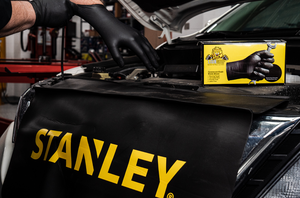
[
  {"x": 132, "y": 169},
  {"x": 66, "y": 140},
  {"x": 84, "y": 150},
  {"x": 39, "y": 144},
  {"x": 64, "y": 152},
  {"x": 98, "y": 145},
  {"x": 51, "y": 135},
  {"x": 164, "y": 176},
  {"x": 104, "y": 172}
]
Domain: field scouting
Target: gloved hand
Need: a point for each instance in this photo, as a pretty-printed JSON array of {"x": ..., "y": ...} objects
[
  {"x": 52, "y": 13},
  {"x": 254, "y": 67},
  {"x": 116, "y": 34}
]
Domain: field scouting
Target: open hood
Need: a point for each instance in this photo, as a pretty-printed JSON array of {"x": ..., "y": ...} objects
[{"x": 171, "y": 15}]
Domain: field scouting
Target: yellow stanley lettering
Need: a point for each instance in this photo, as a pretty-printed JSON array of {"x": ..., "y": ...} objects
[
  {"x": 132, "y": 169},
  {"x": 63, "y": 151},
  {"x": 84, "y": 151},
  {"x": 66, "y": 140},
  {"x": 39, "y": 144},
  {"x": 104, "y": 174},
  {"x": 164, "y": 176},
  {"x": 51, "y": 135},
  {"x": 98, "y": 145}
]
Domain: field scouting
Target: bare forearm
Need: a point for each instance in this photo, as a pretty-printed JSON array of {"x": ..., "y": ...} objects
[{"x": 23, "y": 17}]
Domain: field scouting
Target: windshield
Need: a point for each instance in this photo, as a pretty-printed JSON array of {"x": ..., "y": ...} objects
[{"x": 260, "y": 16}]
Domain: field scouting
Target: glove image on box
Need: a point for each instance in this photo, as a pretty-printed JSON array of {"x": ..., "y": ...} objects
[
  {"x": 254, "y": 67},
  {"x": 243, "y": 62}
]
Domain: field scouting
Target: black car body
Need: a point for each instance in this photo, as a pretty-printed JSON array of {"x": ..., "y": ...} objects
[{"x": 112, "y": 132}]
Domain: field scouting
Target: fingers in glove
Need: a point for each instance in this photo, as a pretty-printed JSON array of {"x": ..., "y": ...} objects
[
  {"x": 151, "y": 48},
  {"x": 266, "y": 65},
  {"x": 265, "y": 54},
  {"x": 116, "y": 56},
  {"x": 270, "y": 60},
  {"x": 259, "y": 76},
  {"x": 147, "y": 63},
  {"x": 262, "y": 70},
  {"x": 150, "y": 55},
  {"x": 143, "y": 53}
]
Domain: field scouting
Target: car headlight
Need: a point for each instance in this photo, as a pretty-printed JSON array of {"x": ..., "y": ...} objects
[
  {"x": 23, "y": 105},
  {"x": 289, "y": 185},
  {"x": 271, "y": 149},
  {"x": 265, "y": 132}
]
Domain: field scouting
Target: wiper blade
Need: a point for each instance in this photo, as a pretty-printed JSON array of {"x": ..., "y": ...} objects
[
  {"x": 219, "y": 34},
  {"x": 247, "y": 34},
  {"x": 273, "y": 32}
]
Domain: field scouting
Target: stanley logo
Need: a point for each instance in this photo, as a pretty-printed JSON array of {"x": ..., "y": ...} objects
[{"x": 63, "y": 151}]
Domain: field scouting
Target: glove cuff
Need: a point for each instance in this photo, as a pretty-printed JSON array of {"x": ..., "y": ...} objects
[
  {"x": 52, "y": 13},
  {"x": 235, "y": 70},
  {"x": 38, "y": 15}
]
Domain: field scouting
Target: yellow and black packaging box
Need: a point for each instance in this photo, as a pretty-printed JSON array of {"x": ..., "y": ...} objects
[{"x": 243, "y": 62}]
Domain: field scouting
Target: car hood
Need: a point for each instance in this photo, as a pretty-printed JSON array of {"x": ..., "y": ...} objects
[{"x": 171, "y": 14}]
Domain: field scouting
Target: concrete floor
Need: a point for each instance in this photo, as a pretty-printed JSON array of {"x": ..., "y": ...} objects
[{"x": 8, "y": 111}]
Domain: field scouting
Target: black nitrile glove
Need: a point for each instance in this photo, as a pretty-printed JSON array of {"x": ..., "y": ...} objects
[
  {"x": 254, "y": 67},
  {"x": 52, "y": 13},
  {"x": 117, "y": 34}
]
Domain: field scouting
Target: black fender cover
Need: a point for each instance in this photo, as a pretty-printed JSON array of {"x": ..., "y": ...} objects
[{"x": 76, "y": 144}]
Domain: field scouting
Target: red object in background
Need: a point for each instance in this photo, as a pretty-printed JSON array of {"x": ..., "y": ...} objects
[
  {"x": 23, "y": 71},
  {"x": 35, "y": 42},
  {"x": 43, "y": 42}
]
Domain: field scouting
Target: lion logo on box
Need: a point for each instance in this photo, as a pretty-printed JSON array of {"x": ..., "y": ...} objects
[{"x": 217, "y": 54}]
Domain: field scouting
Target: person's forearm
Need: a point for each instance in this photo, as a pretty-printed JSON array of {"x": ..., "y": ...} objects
[{"x": 23, "y": 17}]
